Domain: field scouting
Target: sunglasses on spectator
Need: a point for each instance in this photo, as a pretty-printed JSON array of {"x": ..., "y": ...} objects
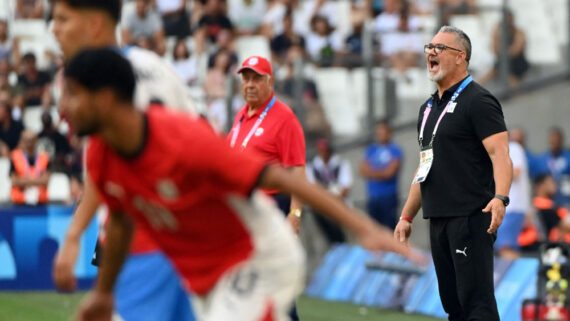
[{"x": 438, "y": 48}]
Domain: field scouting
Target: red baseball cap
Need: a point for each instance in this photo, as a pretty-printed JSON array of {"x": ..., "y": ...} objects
[{"x": 258, "y": 64}]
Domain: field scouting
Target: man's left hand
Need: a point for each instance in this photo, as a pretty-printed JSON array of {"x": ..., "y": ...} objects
[{"x": 497, "y": 209}]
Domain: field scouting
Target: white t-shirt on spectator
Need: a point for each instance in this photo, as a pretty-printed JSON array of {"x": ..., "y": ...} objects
[
  {"x": 393, "y": 41},
  {"x": 315, "y": 43},
  {"x": 246, "y": 17},
  {"x": 186, "y": 69},
  {"x": 168, "y": 5},
  {"x": 520, "y": 187}
]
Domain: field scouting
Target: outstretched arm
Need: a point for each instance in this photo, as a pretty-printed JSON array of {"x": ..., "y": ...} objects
[
  {"x": 67, "y": 255},
  {"x": 369, "y": 234},
  {"x": 99, "y": 305}
]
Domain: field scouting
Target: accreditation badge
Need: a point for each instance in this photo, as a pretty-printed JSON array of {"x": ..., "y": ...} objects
[{"x": 426, "y": 160}]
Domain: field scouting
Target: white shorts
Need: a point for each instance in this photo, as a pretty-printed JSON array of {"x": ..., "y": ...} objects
[{"x": 264, "y": 287}]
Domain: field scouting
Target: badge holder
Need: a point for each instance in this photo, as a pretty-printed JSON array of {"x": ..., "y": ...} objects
[{"x": 426, "y": 160}]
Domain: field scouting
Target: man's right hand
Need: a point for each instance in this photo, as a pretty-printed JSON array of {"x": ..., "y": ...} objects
[
  {"x": 63, "y": 266},
  {"x": 96, "y": 306},
  {"x": 402, "y": 231}
]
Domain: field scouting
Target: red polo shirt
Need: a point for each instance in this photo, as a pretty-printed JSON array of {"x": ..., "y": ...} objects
[{"x": 278, "y": 139}]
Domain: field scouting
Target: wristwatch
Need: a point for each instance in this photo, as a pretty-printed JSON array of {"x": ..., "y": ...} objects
[{"x": 506, "y": 200}]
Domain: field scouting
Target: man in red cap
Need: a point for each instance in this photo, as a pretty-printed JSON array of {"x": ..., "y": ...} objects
[{"x": 269, "y": 128}]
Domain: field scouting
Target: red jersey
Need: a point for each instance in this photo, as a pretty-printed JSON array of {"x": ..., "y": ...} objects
[
  {"x": 177, "y": 189},
  {"x": 278, "y": 139}
]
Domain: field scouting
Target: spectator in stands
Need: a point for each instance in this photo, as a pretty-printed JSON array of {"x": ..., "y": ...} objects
[
  {"x": 353, "y": 43},
  {"x": 323, "y": 42},
  {"x": 54, "y": 143},
  {"x": 316, "y": 124},
  {"x": 144, "y": 22},
  {"x": 225, "y": 43},
  {"x": 556, "y": 162},
  {"x": 552, "y": 221},
  {"x": 217, "y": 90},
  {"x": 449, "y": 8},
  {"x": 518, "y": 135},
  {"x": 302, "y": 13},
  {"x": 29, "y": 9},
  {"x": 520, "y": 194},
  {"x": 380, "y": 167},
  {"x": 75, "y": 166},
  {"x": 334, "y": 174},
  {"x": 10, "y": 129},
  {"x": 174, "y": 17},
  {"x": 9, "y": 47},
  {"x": 30, "y": 171},
  {"x": 34, "y": 84},
  {"x": 185, "y": 66},
  {"x": 5, "y": 84},
  {"x": 247, "y": 15},
  {"x": 281, "y": 43},
  {"x": 516, "y": 40},
  {"x": 400, "y": 40},
  {"x": 212, "y": 23}
]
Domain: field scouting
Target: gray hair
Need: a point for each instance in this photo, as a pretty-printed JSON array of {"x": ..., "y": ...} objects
[{"x": 461, "y": 37}]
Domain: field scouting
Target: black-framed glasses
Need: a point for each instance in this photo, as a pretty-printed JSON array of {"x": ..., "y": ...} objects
[{"x": 438, "y": 48}]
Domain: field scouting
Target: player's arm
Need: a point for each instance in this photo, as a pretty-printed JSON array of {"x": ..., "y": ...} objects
[
  {"x": 370, "y": 234},
  {"x": 67, "y": 255},
  {"x": 99, "y": 305},
  {"x": 294, "y": 216}
]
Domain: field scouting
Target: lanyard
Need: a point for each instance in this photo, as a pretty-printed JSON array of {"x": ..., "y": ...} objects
[
  {"x": 254, "y": 128},
  {"x": 428, "y": 110}
]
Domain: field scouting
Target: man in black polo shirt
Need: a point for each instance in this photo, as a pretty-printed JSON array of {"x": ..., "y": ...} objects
[{"x": 463, "y": 180}]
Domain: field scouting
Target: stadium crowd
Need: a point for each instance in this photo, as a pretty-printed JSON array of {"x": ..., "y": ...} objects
[{"x": 201, "y": 40}]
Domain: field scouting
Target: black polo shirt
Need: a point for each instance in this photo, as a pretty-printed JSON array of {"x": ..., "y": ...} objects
[{"x": 460, "y": 182}]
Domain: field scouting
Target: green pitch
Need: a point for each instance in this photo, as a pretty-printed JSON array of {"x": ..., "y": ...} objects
[{"x": 51, "y": 306}]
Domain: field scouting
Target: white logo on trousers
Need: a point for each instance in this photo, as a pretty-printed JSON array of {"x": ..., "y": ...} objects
[{"x": 461, "y": 252}]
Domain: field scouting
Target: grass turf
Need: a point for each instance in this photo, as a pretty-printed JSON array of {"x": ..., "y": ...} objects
[{"x": 52, "y": 306}]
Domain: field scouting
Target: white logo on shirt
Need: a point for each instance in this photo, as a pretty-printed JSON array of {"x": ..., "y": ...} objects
[
  {"x": 259, "y": 132},
  {"x": 252, "y": 62},
  {"x": 114, "y": 190},
  {"x": 167, "y": 189}
]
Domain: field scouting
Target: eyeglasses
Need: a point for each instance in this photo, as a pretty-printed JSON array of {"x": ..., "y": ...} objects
[{"x": 438, "y": 48}]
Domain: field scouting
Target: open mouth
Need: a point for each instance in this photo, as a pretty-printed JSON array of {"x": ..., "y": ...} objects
[{"x": 433, "y": 65}]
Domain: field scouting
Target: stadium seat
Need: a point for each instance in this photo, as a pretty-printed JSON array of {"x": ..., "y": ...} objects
[
  {"x": 358, "y": 92},
  {"x": 542, "y": 42},
  {"x": 58, "y": 187},
  {"x": 28, "y": 28},
  {"x": 32, "y": 118},
  {"x": 5, "y": 184},
  {"x": 482, "y": 58},
  {"x": 333, "y": 85},
  {"x": 252, "y": 45},
  {"x": 557, "y": 10}
]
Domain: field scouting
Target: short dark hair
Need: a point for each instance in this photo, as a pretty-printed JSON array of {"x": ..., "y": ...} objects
[
  {"x": 96, "y": 69},
  {"x": 30, "y": 56},
  {"x": 461, "y": 37},
  {"x": 540, "y": 178},
  {"x": 111, "y": 7}
]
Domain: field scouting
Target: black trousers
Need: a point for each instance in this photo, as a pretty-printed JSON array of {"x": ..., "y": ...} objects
[{"x": 462, "y": 252}]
